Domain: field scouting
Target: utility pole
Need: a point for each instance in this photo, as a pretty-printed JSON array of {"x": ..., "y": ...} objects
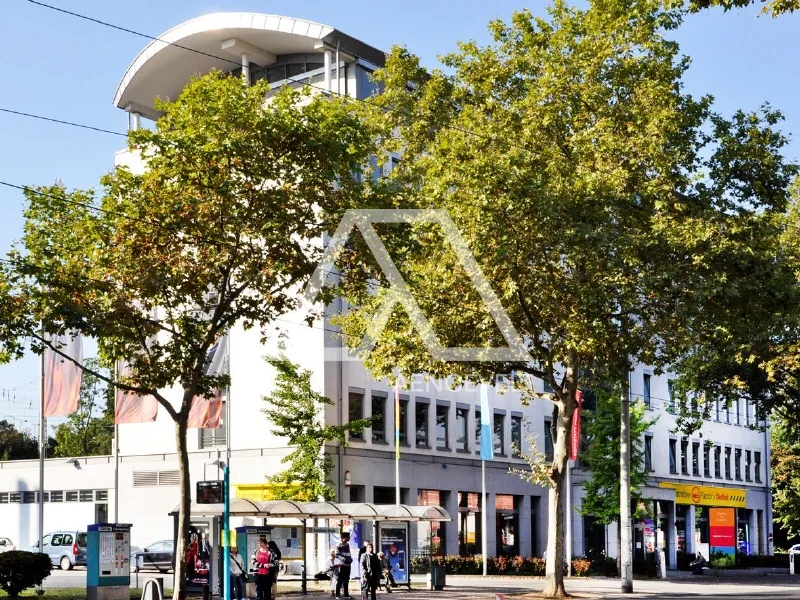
[{"x": 626, "y": 560}]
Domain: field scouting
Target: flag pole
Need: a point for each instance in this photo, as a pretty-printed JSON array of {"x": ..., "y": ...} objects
[
  {"x": 397, "y": 441},
  {"x": 42, "y": 450},
  {"x": 484, "y": 543}
]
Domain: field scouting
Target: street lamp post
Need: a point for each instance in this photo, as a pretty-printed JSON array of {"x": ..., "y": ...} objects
[{"x": 226, "y": 524}]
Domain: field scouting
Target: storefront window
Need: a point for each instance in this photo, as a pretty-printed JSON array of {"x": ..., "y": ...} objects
[
  {"x": 680, "y": 526},
  {"x": 507, "y": 519},
  {"x": 435, "y": 529},
  {"x": 469, "y": 520}
]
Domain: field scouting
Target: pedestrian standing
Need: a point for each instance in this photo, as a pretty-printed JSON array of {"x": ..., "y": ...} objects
[
  {"x": 275, "y": 569},
  {"x": 236, "y": 563},
  {"x": 261, "y": 563},
  {"x": 370, "y": 573},
  {"x": 345, "y": 559}
]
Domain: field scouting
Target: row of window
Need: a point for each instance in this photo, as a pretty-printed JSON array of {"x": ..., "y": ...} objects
[
  {"x": 54, "y": 496},
  {"x": 731, "y": 413},
  {"x": 735, "y": 468},
  {"x": 422, "y": 436}
]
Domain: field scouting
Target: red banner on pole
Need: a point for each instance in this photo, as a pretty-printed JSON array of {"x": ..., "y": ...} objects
[{"x": 575, "y": 439}]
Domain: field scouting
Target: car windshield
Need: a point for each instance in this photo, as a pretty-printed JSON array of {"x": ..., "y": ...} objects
[{"x": 82, "y": 540}]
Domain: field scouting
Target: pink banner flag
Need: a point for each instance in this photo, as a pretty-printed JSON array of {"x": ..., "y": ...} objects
[
  {"x": 62, "y": 377},
  {"x": 206, "y": 413},
  {"x": 130, "y": 407}
]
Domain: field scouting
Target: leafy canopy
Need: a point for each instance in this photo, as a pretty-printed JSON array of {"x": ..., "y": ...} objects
[{"x": 297, "y": 413}]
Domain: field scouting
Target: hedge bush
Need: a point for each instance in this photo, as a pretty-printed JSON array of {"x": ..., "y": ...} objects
[
  {"x": 20, "y": 570},
  {"x": 496, "y": 565}
]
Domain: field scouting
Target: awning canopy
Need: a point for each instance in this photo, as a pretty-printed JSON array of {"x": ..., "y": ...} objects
[{"x": 282, "y": 509}]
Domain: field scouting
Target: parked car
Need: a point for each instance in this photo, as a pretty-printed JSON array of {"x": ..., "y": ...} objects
[
  {"x": 795, "y": 549},
  {"x": 158, "y": 555},
  {"x": 66, "y": 549},
  {"x": 6, "y": 545}
]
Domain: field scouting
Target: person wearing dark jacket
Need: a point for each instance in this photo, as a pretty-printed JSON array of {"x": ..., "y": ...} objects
[
  {"x": 697, "y": 564},
  {"x": 386, "y": 569},
  {"x": 370, "y": 573},
  {"x": 344, "y": 559}
]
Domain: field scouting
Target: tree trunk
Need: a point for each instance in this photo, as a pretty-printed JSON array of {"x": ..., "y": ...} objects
[
  {"x": 554, "y": 569},
  {"x": 184, "y": 510}
]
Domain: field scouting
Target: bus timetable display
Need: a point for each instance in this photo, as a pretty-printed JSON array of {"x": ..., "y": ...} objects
[{"x": 210, "y": 492}]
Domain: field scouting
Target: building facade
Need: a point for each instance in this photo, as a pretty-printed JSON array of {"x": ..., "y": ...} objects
[{"x": 439, "y": 426}]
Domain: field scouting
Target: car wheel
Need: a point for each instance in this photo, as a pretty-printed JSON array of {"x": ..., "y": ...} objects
[{"x": 65, "y": 564}]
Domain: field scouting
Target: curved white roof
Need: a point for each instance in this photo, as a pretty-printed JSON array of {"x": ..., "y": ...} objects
[{"x": 165, "y": 65}]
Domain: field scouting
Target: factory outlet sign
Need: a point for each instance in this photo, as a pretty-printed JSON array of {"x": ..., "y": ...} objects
[{"x": 704, "y": 495}]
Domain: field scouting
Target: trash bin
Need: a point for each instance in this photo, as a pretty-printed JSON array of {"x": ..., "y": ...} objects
[{"x": 438, "y": 577}]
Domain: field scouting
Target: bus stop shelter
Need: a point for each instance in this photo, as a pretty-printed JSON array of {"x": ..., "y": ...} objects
[{"x": 381, "y": 515}]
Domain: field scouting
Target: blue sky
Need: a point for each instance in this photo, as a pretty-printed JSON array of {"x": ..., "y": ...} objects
[{"x": 56, "y": 65}]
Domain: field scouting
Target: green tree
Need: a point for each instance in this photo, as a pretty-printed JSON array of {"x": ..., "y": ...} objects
[
  {"x": 15, "y": 444},
  {"x": 296, "y": 412},
  {"x": 570, "y": 160},
  {"x": 601, "y": 457},
  {"x": 775, "y": 8},
  {"x": 785, "y": 475},
  {"x": 219, "y": 230},
  {"x": 90, "y": 431}
]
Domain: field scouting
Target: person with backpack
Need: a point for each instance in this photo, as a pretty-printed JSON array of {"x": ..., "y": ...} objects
[
  {"x": 262, "y": 563},
  {"x": 344, "y": 559},
  {"x": 370, "y": 573}
]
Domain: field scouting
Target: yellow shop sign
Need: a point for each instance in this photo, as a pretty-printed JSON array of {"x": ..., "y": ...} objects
[
  {"x": 264, "y": 492},
  {"x": 704, "y": 495}
]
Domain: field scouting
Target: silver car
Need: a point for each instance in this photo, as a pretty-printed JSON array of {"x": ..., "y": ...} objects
[
  {"x": 66, "y": 549},
  {"x": 6, "y": 545}
]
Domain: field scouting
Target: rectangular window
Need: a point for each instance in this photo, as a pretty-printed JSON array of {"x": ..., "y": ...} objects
[
  {"x": 421, "y": 424},
  {"x": 728, "y": 462},
  {"x": 3, "y": 497},
  {"x": 718, "y": 462},
  {"x": 379, "y": 419},
  {"x": 673, "y": 459},
  {"x": 87, "y": 495},
  {"x": 757, "y": 465},
  {"x": 737, "y": 463},
  {"x": 548, "y": 439},
  {"x": 706, "y": 461},
  {"x": 646, "y": 393},
  {"x": 14, "y": 497},
  {"x": 442, "y": 437},
  {"x": 684, "y": 457},
  {"x": 355, "y": 412},
  {"x": 747, "y": 413},
  {"x": 404, "y": 422},
  {"x": 516, "y": 436},
  {"x": 648, "y": 453},
  {"x": 748, "y": 459},
  {"x": 727, "y": 412},
  {"x": 696, "y": 459},
  {"x": 57, "y": 496},
  {"x": 738, "y": 407},
  {"x": 499, "y": 437},
  {"x": 29, "y": 497},
  {"x": 462, "y": 420},
  {"x": 72, "y": 496},
  {"x": 717, "y": 409},
  {"x": 671, "y": 394}
]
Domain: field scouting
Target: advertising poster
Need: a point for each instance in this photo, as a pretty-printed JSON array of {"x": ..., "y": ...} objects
[
  {"x": 355, "y": 543},
  {"x": 394, "y": 545},
  {"x": 722, "y": 526}
]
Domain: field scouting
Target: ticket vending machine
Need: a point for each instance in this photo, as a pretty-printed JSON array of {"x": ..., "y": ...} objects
[
  {"x": 108, "y": 561},
  {"x": 247, "y": 540}
]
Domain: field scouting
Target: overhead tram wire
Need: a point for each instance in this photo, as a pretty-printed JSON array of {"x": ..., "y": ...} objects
[{"x": 61, "y": 122}]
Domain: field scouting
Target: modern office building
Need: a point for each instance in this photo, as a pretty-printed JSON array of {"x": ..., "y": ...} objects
[{"x": 439, "y": 426}]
